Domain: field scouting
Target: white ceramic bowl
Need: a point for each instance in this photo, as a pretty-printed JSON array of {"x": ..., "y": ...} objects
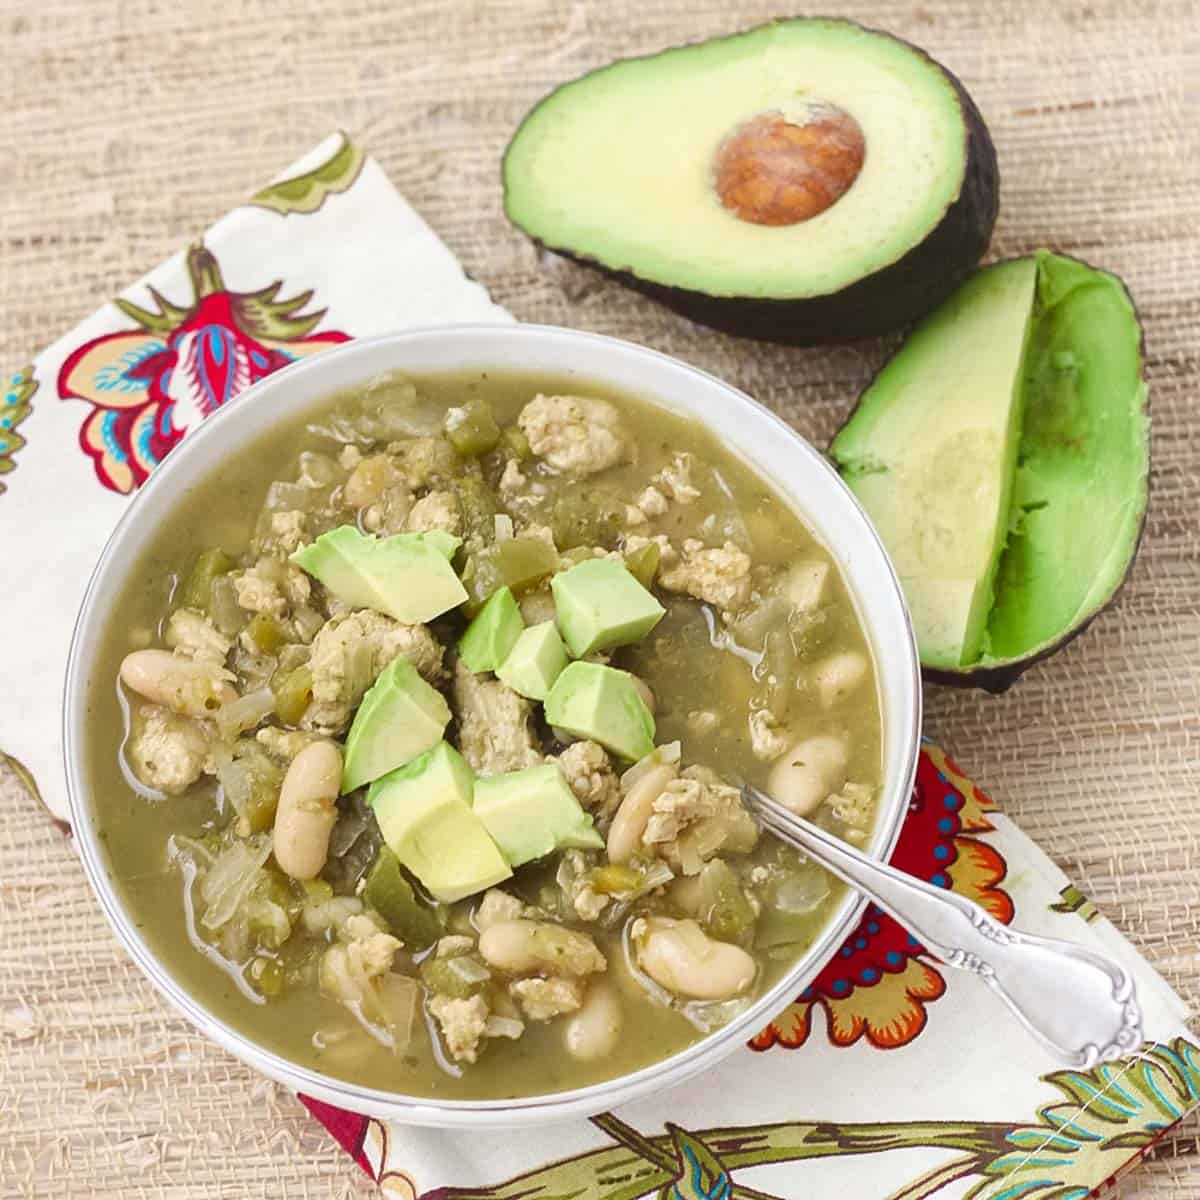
[{"x": 798, "y": 472}]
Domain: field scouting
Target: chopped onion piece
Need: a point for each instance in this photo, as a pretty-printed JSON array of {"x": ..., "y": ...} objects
[
  {"x": 231, "y": 876},
  {"x": 244, "y": 712}
]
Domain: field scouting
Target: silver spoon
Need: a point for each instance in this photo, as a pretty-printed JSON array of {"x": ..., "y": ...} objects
[{"x": 1081, "y": 1005}]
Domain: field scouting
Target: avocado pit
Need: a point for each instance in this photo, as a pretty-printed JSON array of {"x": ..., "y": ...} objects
[{"x": 774, "y": 171}]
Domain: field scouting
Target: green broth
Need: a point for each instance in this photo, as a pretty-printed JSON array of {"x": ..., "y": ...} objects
[{"x": 680, "y": 662}]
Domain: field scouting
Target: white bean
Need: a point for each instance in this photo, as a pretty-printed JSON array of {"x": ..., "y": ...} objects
[
  {"x": 808, "y": 772},
  {"x": 681, "y": 957},
  {"x": 527, "y": 947},
  {"x": 629, "y": 823},
  {"x": 307, "y": 810},
  {"x": 594, "y": 1030},
  {"x": 838, "y": 675},
  {"x": 194, "y": 689}
]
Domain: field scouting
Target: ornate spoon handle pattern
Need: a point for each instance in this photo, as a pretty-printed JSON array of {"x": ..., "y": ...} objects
[{"x": 1080, "y": 1004}]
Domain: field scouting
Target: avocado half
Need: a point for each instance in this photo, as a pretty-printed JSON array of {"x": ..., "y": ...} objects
[
  {"x": 1003, "y": 454},
  {"x": 806, "y": 181}
]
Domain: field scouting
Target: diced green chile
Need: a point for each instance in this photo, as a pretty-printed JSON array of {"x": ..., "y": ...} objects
[
  {"x": 472, "y": 429},
  {"x": 266, "y": 632},
  {"x": 518, "y": 563},
  {"x": 197, "y": 588},
  {"x": 642, "y": 563},
  {"x": 461, "y": 977},
  {"x": 390, "y": 894},
  {"x": 725, "y": 911},
  {"x": 292, "y": 694}
]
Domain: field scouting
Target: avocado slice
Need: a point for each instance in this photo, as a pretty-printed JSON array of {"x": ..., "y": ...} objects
[
  {"x": 805, "y": 181},
  {"x": 603, "y": 704},
  {"x": 599, "y": 604},
  {"x": 1003, "y": 454},
  {"x": 424, "y": 813},
  {"x": 492, "y": 633},
  {"x": 535, "y": 661},
  {"x": 408, "y": 576},
  {"x": 399, "y": 718},
  {"x": 533, "y": 812}
]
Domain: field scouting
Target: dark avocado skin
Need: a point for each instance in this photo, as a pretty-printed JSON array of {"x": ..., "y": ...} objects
[
  {"x": 889, "y": 299},
  {"x": 997, "y": 678}
]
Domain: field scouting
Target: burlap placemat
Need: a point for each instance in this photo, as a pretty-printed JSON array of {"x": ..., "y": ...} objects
[{"x": 129, "y": 126}]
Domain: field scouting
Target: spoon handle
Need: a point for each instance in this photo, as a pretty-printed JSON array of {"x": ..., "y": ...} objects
[{"x": 1080, "y": 1004}]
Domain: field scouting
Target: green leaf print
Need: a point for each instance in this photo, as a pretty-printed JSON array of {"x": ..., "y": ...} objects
[
  {"x": 1103, "y": 1118},
  {"x": 306, "y": 193},
  {"x": 15, "y": 406}
]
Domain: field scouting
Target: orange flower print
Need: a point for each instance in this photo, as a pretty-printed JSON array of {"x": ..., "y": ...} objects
[
  {"x": 881, "y": 980},
  {"x": 148, "y": 386}
]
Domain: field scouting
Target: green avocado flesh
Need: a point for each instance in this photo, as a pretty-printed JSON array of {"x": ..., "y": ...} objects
[
  {"x": 1003, "y": 454},
  {"x": 618, "y": 167}
]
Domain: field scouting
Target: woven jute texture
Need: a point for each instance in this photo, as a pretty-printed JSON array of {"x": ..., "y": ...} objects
[{"x": 126, "y": 127}]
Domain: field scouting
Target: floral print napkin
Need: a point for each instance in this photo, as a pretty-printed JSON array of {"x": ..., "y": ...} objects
[{"x": 889, "y": 1077}]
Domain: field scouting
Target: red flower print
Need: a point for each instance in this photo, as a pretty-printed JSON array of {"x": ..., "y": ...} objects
[
  {"x": 150, "y": 385},
  {"x": 879, "y": 983}
]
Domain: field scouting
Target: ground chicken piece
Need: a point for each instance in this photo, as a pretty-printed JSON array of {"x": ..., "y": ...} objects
[
  {"x": 765, "y": 739},
  {"x": 494, "y": 728},
  {"x": 676, "y": 480},
  {"x": 496, "y": 906},
  {"x": 272, "y": 587},
  {"x": 350, "y": 967},
  {"x": 287, "y": 531},
  {"x": 701, "y": 721},
  {"x": 438, "y": 510},
  {"x": 342, "y": 670},
  {"x": 589, "y": 903},
  {"x": 695, "y": 817},
  {"x": 544, "y": 999},
  {"x": 852, "y": 806},
  {"x": 166, "y": 751},
  {"x": 574, "y": 434},
  {"x": 453, "y": 945},
  {"x": 719, "y": 576},
  {"x": 512, "y": 479},
  {"x": 369, "y": 949},
  {"x": 463, "y": 1024},
  {"x": 284, "y": 744},
  {"x": 194, "y": 636},
  {"x": 652, "y": 503},
  {"x": 537, "y": 607},
  {"x": 590, "y": 773},
  {"x": 634, "y": 516},
  {"x": 350, "y": 457}
]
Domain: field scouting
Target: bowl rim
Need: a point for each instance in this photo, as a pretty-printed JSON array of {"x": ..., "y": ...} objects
[{"x": 432, "y": 1111}]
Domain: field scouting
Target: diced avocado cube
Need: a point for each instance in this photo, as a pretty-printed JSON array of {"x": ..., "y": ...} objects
[
  {"x": 599, "y": 604},
  {"x": 408, "y": 576},
  {"x": 424, "y": 813},
  {"x": 336, "y": 559},
  {"x": 603, "y": 704},
  {"x": 533, "y": 812},
  {"x": 391, "y": 895},
  {"x": 536, "y": 660},
  {"x": 399, "y": 718},
  {"x": 492, "y": 634}
]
